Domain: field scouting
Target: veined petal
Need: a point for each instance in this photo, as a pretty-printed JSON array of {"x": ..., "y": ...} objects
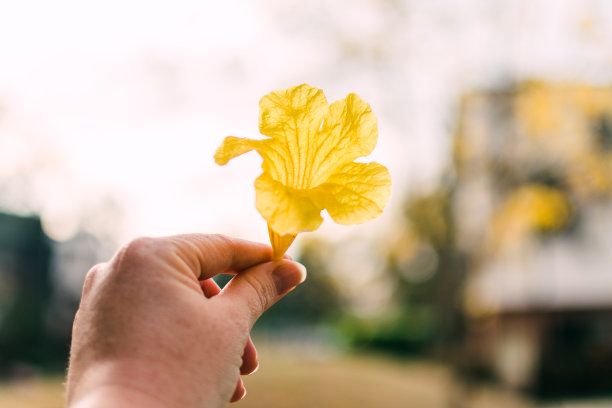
[
  {"x": 294, "y": 117},
  {"x": 349, "y": 131},
  {"x": 271, "y": 151},
  {"x": 356, "y": 193},
  {"x": 287, "y": 210},
  {"x": 274, "y": 154},
  {"x": 233, "y": 147}
]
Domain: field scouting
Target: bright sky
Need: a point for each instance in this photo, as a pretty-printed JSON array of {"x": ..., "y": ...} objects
[{"x": 129, "y": 99}]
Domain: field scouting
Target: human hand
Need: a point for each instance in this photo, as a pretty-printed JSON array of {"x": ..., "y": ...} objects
[{"x": 149, "y": 332}]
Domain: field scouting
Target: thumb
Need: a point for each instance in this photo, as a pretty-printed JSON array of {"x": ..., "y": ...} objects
[{"x": 254, "y": 290}]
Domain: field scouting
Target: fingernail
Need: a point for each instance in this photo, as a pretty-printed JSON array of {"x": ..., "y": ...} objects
[
  {"x": 303, "y": 271},
  {"x": 287, "y": 275}
]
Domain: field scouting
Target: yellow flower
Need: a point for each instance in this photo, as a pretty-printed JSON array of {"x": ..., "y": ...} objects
[{"x": 308, "y": 162}]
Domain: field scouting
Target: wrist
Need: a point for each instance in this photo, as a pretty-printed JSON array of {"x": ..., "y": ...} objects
[
  {"x": 116, "y": 396},
  {"x": 113, "y": 384}
]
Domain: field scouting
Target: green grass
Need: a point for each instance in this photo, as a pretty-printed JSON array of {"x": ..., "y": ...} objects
[
  {"x": 313, "y": 377},
  {"x": 289, "y": 378}
]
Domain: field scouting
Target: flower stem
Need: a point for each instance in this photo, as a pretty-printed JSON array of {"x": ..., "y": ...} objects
[{"x": 280, "y": 243}]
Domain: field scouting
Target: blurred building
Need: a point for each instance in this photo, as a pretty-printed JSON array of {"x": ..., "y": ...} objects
[
  {"x": 25, "y": 289},
  {"x": 533, "y": 209},
  {"x": 40, "y": 284}
]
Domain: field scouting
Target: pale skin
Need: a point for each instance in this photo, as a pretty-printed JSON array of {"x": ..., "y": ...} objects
[{"x": 154, "y": 330}]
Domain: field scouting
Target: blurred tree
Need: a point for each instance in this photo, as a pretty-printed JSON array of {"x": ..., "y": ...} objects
[
  {"x": 426, "y": 271},
  {"x": 315, "y": 303},
  {"x": 318, "y": 302},
  {"x": 430, "y": 277}
]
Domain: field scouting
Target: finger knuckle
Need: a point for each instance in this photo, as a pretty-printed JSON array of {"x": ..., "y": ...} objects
[
  {"x": 137, "y": 248},
  {"x": 220, "y": 240},
  {"x": 219, "y": 237},
  {"x": 138, "y": 251},
  {"x": 91, "y": 277},
  {"x": 134, "y": 257}
]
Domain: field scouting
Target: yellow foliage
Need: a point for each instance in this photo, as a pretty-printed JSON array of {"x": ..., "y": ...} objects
[
  {"x": 532, "y": 207},
  {"x": 591, "y": 174},
  {"x": 538, "y": 109},
  {"x": 546, "y": 109}
]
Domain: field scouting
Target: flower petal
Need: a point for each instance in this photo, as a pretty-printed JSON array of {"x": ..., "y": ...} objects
[
  {"x": 294, "y": 117},
  {"x": 233, "y": 147},
  {"x": 287, "y": 210},
  {"x": 317, "y": 138},
  {"x": 349, "y": 131},
  {"x": 271, "y": 151},
  {"x": 357, "y": 193}
]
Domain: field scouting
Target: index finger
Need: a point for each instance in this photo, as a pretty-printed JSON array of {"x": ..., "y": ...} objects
[{"x": 212, "y": 254}]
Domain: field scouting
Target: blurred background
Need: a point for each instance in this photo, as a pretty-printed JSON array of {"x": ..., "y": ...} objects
[{"x": 487, "y": 282}]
